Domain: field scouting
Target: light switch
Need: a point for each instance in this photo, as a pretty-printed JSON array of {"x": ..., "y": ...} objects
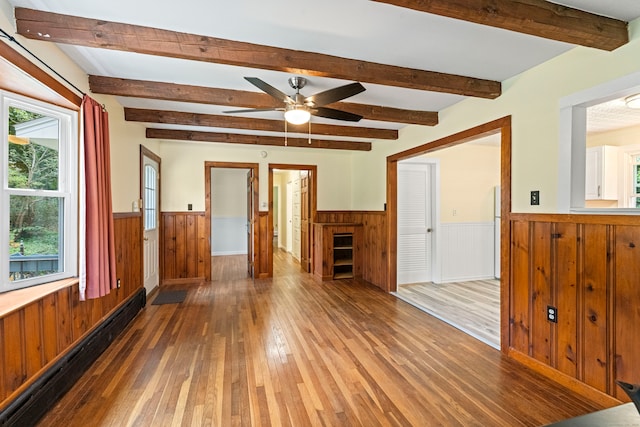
[{"x": 535, "y": 197}]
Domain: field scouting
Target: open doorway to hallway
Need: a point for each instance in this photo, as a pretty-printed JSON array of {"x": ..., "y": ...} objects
[
  {"x": 287, "y": 213},
  {"x": 292, "y": 207},
  {"x": 230, "y": 217},
  {"x": 448, "y": 229}
]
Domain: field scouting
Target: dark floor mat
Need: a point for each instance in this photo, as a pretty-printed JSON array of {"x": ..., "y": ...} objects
[{"x": 169, "y": 297}]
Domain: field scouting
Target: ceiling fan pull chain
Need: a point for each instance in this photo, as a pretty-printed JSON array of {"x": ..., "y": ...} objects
[
  {"x": 285, "y": 133},
  {"x": 309, "y": 132}
]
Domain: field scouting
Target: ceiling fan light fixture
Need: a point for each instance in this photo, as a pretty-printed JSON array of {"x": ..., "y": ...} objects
[
  {"x": 297, "y": 115},
  {"x": 633, "y": 101}
]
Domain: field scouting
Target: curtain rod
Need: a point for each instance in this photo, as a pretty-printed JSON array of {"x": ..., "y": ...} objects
[{"x": 13, "y": 39}]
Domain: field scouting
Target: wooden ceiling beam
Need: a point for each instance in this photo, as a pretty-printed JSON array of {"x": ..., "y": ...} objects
[
  {"x": 97, "y": 33},
  {"x": 217, "y": 121},
  {"x": 535, "y": 17},
  {"x": 277, "y": 141},
  {"x": 243, "y": 99}
]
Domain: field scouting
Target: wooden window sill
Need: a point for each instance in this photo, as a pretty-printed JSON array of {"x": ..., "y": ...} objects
[{"x": 14, "y": 300}]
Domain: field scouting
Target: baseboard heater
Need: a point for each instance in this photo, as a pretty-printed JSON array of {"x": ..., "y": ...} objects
[{"x": 43, "y": 394}]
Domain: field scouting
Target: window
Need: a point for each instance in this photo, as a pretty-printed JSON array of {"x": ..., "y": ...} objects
[
  {"x": 150, "y": 184},
  {"x": 39, "y": 193},
  {"x": 635, "y": 181}
]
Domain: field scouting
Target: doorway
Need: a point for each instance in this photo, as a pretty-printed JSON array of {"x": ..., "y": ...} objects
[
  {"x": 454, "y": 223},
  {"x": 231, "y": 212},
  {"x": 150, "y": 197},
  {"x": 295, "y": 187}
]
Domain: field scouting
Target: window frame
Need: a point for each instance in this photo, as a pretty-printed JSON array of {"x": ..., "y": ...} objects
[
  {"x": 68, "y": 185},
  {"x": 572, "y": 143}
]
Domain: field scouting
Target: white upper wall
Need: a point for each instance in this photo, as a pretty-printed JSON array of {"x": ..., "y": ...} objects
[
  {"x": 183, "y": 171},
  {"x": 531, "y": 98},
  {"x": 469, "y": 174}
]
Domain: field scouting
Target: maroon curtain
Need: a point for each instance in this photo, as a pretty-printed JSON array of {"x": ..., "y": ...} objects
[{"x": 99, "y": 240}]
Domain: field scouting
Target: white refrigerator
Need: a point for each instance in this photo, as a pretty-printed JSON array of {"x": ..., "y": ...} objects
[{"x": 497, "y": 232}]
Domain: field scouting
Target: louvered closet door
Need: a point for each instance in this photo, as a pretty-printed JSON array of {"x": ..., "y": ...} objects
[{"x": 414, "y": 223}]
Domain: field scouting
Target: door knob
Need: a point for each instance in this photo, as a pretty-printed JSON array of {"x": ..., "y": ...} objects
[
  {"x": 429, "y": 230},
  {"x": 146, "y": 238}
]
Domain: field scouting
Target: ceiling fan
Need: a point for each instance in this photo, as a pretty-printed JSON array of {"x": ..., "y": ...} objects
[{"x": 298, "y": 108}]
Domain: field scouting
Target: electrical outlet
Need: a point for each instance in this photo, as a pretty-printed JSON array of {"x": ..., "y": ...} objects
[
  {"x": 118, "y": 283},
  {"x": 552, "y": 314},
  {"x": 535, "y": 197}
]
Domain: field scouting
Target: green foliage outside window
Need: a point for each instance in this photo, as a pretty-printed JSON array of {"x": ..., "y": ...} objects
[{"x": 33, "y": 220}]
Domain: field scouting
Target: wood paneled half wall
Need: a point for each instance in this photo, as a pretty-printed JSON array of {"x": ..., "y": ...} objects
[
  {"x": 36, "y": 335},
  {"x": 185, "y": 250},
  {"x": 587, "y": 268}
]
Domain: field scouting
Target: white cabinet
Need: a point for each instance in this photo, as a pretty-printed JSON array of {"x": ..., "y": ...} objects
[{"x": 601, "y": 179}]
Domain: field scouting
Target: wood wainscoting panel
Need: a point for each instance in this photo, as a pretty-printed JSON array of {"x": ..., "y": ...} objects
[
  {"x": 261, "y": 258},
  {"x": 626, "y": 292},
  {"x": 587, "y": 267},
  {"x": 566, "y": 247},
  {"x": 593, "y": 305},
  {"x": 33, "y": 336},
  {"x": 184, "y": 246},
  {"x": 541, "y": 294},
  {"x": 50, "y": 326},
  {"x": 37, "y": 334},
  {"x": 13, "y": 352},
  {"x": 520, "y": 301}
]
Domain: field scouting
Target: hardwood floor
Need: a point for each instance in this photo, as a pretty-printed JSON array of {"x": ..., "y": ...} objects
[
  {"x": 229, "y": 267},
  {"x": 295, "y": 351},
  {"x": 473, "y": 307}
]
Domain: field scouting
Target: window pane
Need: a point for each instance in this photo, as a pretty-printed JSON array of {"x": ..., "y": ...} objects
[
  {"x": 33, "y": 150},
  {"x": 150, "y": 182},
  {"x": 35, "y": 236}
]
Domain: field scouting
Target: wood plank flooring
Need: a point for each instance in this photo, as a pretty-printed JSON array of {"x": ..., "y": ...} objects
[
  {"x": 295, "y": 351},
  {"x": 229, "y": 268},
  {"x": 473, "y": 307}
]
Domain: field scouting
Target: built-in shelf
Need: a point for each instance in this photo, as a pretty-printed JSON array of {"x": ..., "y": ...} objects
[
  {"x": 342, "y": 255},
  {"x": 336, "y": 251}
]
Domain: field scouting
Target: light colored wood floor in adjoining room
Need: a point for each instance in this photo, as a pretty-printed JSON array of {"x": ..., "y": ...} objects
[
  {"x": 473, "y": 307},
  {"x": 295, "y": 351}
]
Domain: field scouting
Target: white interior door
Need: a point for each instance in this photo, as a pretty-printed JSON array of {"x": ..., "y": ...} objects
[
  {"x": 151, "y": 208},
  {"x": 415, "y": 229}
]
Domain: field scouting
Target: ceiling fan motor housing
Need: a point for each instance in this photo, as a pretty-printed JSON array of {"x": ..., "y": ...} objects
[{"x": 297, "y": 82}]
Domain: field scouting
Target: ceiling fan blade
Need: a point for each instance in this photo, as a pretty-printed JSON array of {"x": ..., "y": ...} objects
[
  {"x": 253, "y": 110},
  {"x": 333, "y": 95},
  {"x": 266, "y": 87},
  {"x": 331, "y": 113}
]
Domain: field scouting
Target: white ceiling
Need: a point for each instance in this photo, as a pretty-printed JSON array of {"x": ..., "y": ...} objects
[{"x": 358, "y": 29}]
